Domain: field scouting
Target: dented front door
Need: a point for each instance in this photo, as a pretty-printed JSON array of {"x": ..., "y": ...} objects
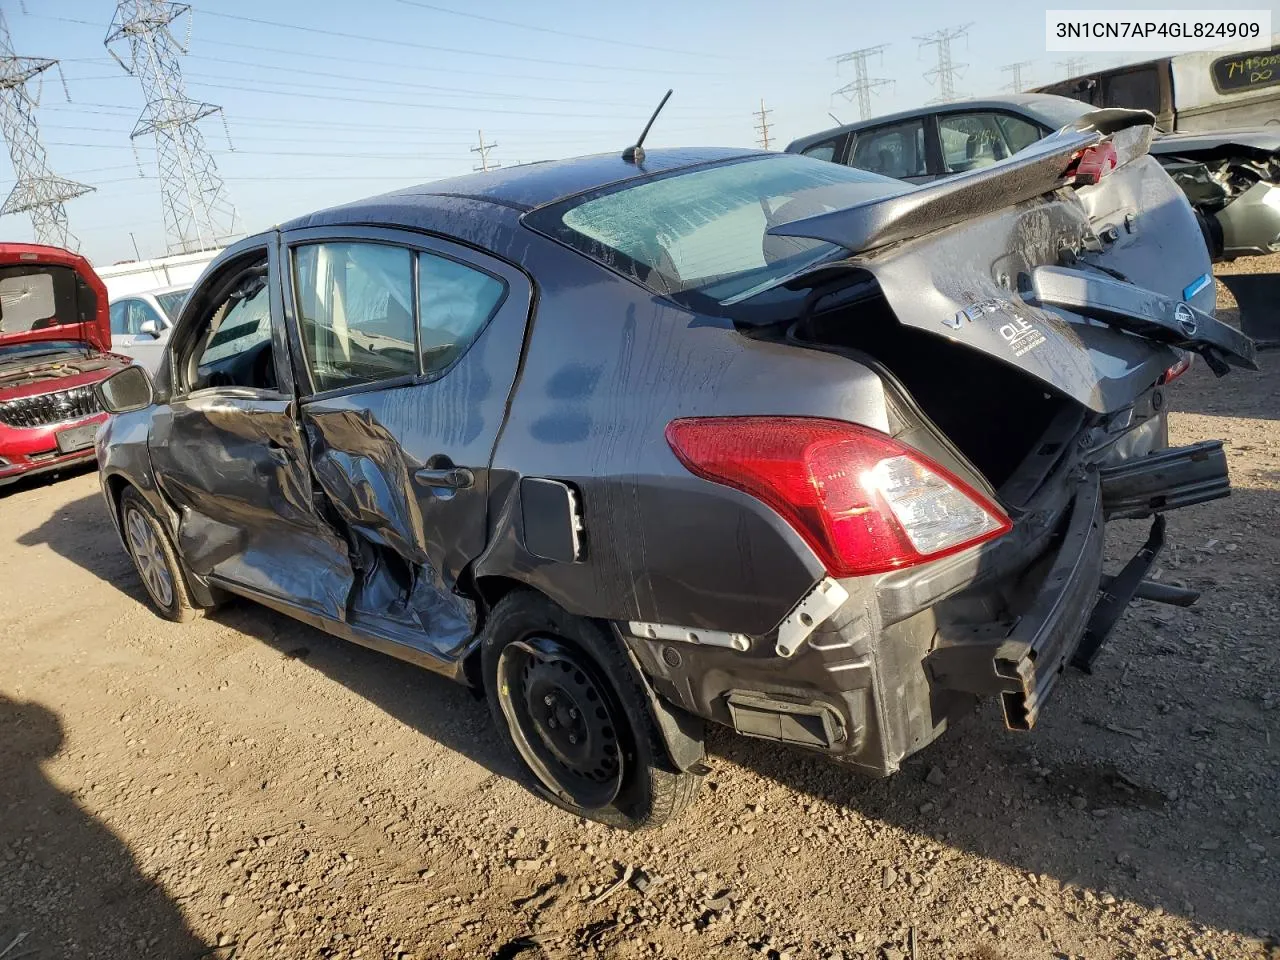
[
  {"x": 408, "y": 351},
  {"x": 228, "y": 454}
]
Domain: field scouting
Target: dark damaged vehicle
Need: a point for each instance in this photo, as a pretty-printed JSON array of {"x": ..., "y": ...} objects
[
  {"x": 703, "y": 435},
  {"x": 1231, "y": 177},
  {"x": 55, "y": 341}
]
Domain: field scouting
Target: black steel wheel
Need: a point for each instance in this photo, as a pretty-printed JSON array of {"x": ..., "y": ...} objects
[
  {"x": 562, "y": 720},
  {"x": 574, "y": 711}
]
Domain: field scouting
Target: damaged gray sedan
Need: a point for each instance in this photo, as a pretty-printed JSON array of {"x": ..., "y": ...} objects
[{"x": 633, "y": 443}]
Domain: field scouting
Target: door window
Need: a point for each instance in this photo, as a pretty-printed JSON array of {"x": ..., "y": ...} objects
[
  {"x": 355, "y": 312},
  {"x": 896, "y": 151},
  {"x": 1136, "y": 89},
  {"x": 231, "y": 345},
  {"x": 120, "y": 318},
  {"x": 972, "y": 140},
  {"x": 454, "y": 304},
  {"x": 826, "y": 150},
  {"x": 139, "y": 313}
]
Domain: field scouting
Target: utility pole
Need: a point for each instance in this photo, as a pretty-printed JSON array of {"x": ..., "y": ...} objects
[
  {"x": 198, "y": 214},
  {"x": 483, "y": 150},
  {"x": 1016, "y": 84},
  {"x": 763, "y": 125},
  {"x": 37, "y": 190},
  {"x": 859, "y": 89},
  {"x": 945, "y": 73},
  {"x": 1074, "y": 66}
]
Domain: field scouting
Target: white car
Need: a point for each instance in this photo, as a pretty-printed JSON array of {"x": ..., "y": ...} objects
[{"x": 140, "y": 323}]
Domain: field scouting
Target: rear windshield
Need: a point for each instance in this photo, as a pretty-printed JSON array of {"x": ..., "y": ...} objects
[
  {"x": 33, "y": 297},
  {"x": 704, "y": 229}
]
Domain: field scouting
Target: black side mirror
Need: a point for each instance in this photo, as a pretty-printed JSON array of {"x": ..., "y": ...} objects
[{"x": 126, "y": 391}]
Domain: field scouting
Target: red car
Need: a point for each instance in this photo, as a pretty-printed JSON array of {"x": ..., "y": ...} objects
[{"x": 55, "y": 334}]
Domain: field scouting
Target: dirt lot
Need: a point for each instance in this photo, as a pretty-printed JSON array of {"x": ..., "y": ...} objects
[{"x": 248, "y": 787}]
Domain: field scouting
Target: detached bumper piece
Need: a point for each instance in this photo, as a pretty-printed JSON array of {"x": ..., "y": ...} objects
[{"x": 1067, "y": 621}]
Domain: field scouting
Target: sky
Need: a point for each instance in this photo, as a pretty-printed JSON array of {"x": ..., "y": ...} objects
[{"x": 327, "y": 101}]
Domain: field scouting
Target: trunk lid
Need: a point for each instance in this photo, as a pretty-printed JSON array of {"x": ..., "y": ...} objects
[
  {"x": 1089, "y": 289},
  {"x": 51, "y": 294}
]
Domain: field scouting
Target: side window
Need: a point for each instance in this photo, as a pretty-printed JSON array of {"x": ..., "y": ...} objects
[
  {"x": 896, "y": 151},
  {"x": 1018, "y": 133},
  {"x": 139, "y": 312},
  {"x": 232, "y": 345},
  {"x": 1137, "y": 89},
  {"x": 454, "y": 304},
  {"x": 120, "y": 318},
  {"x": 826, "y": 150},
  {"x": 970, "y": 141},
  {"x": 355, "y": 312}
]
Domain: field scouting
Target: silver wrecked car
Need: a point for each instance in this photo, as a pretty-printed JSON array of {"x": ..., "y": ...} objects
[{"x": 1230, "y": 177}]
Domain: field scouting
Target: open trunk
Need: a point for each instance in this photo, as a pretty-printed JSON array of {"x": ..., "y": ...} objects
[{"x": 1022, "y": 295}]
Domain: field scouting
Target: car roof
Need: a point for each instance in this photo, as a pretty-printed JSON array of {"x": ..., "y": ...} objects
[
  {"x": 529, "y": 185},
  {"x": 1032, "y": 104},
  {"x": 154, "y": 292}
]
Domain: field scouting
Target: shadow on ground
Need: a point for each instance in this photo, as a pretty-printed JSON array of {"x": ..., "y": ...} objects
[{"x": 70, "y": 887}]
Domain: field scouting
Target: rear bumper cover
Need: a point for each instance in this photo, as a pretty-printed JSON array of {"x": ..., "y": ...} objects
[{"x": 875, "y": 684}]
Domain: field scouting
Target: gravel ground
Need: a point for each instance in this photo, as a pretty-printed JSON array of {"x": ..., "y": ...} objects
[{"x": 248, "y": 787}]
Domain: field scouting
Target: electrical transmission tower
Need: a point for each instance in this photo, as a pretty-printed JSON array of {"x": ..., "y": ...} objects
[
  {"x": 859, "y": 89},
  {"x": 1017, "y": 84},
  {"x": 945, "y": 73},
  {"x": 1074, "y": 66},
  {"x": 198, "y": 214},
  {"x": 763, "y": 125},
  {"x": 485, "y": 163},
  {"x": 37, "y": 190}
]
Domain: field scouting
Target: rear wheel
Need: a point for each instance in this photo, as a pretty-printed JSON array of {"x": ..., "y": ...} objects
[
  {"x": 155, "y": 559},
  {"x": 571, "y": 707}
]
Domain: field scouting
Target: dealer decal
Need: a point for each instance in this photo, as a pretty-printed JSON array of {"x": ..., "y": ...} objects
[
  {"x": 1021, "y": 336},
  {"x": 1018, "y": 333}
]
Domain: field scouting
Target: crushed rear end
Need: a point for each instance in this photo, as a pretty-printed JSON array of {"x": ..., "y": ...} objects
[{"x": 1026, "y": 321}]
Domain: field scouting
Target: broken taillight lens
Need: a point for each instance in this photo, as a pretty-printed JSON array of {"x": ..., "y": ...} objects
[
  {"x": 1093, "y": 163},
  {"x": 1178, "y": 369},
  {"x": 864, "y": 502}
]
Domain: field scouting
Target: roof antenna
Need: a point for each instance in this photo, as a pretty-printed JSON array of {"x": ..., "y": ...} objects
[{"x": 635, "y": 154}]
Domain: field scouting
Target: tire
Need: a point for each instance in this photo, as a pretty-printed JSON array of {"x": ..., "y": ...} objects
[
  {"x": 155, "y": 560},
  {"x": 534, "y": 654}
]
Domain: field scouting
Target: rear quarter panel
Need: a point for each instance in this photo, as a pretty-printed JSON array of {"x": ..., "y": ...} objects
[{"x": 607, "y": 367}]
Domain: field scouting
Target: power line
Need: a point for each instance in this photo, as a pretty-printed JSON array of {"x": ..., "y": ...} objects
[
  {"x": 859, "y": 89},
  {"x": 947, "y": 70},
  {"x": 1017, "y": 84},
  {"x": 701, "y": 54},
  {"x": 483, "y": 149},
  {"x": 763, "y": 126},
  {"x": 198, "y": 215},
  {"x": 36, "y": 190},
  {"x": 413, "y": 45},
  {"x": 1074, "y": 66}
]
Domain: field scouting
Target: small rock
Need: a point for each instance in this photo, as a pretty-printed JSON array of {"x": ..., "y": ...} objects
[
  {"x": 524, "y": 864},
  {"x": 890, "y": 877},
  {"x": 641, "y": 881},
  {"x": 935, "y": 777},
  {"x": 1079, "y": 803},
  {"x": 228, "y": 899}
]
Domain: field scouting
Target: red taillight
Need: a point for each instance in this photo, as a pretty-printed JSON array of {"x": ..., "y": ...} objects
[
  {"x": 1178, "y": 369},
  {"x": 1093, "y": 163},
  {"x": 864, "y": 502}
]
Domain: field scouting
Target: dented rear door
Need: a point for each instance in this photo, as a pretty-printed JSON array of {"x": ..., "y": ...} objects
[{"x": 409, "y": 348}]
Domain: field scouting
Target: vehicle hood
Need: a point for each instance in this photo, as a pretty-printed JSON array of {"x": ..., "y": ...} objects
[
  {"x": 80, "y": 312},
  {"x": 1264, "y": 139}
]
